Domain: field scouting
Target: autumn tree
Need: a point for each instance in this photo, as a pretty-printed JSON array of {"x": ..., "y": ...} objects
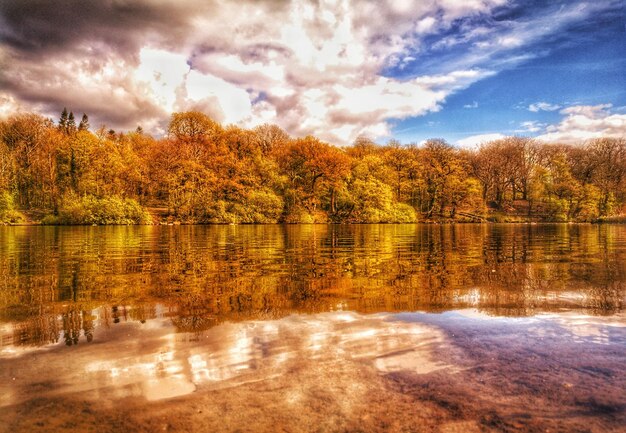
[
  {"x": 270, "y": 137},
  {"x": 315, "y": 171},
  {"x": 25, "y": 137},
  {"x": 398, "y": 159},
  {"x": 202, "y": 172},
  {"x": 444, "y": 177},
  {"x": 608, "y": 156},
  {"x": 367, "y": 196},
  {"x": 503, "y": 169},
  {"x": 194, "y": 131}
]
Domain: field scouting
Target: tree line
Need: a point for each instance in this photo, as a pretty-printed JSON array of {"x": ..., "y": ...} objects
[{"x": 204, "y": 172}]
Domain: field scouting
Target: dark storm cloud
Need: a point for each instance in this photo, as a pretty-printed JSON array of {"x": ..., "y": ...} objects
[
  {"x": 43, "y": 26},
  {"x": 84, "y": 54},
  {"x": 45, "y": 44},
  {"x": 46, "y": 25}
]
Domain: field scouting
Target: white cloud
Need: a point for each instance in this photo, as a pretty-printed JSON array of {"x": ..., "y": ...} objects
[
  {"x": 312, "y": 67},
  {"x": 531, "y": 126},
  {"x": 164, "y": 72},
  {"x": 474, "y": 104},
  {"x": 583, "y": 122},
  {"x": 9, "y": 105},
  {"x": 497, "y": 46},
  {"x": 474, "y": 141},
  {"x": 425, "y": 25},
  {"x": 105, "y": 86},
  {"x": 318, "y": 72},
  {"x": 510, "y": 41},
  {"x": 233, "y": 101},
  {"x": 543, "y": 106}
]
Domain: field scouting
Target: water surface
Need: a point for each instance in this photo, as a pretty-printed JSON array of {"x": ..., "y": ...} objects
[{"x": 345, "y": 328}]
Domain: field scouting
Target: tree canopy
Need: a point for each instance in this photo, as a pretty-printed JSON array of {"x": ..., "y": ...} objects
[{"x": 203, "y": 172}]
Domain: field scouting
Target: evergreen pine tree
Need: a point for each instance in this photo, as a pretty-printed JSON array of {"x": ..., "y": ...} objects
[
  {"x": 71, "y": 123},
  {"x": 63, "y": 121},
  {"x": 84, "y": 123}
]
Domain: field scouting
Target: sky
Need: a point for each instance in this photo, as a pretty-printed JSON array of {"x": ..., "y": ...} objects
[{"x": 466, "y": 71}]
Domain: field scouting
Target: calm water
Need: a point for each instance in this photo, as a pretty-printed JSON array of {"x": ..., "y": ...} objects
[{"x": 470, "y": 325}]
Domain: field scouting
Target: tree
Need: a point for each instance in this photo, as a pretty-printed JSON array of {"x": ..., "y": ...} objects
[
  {"x": 398, "y": 159},
  {"x": 63, "y": 121},
  {"x": 194, "y": 132},
  {"x": 270, "y": 137},
  {"x": 71, "y": 124},
  {"x": 312, "y": 165},
  {"x": 444, "y": 176},
  {"x": 203, "y": 172},
  {"x": 84, "y": 123},
  {"x": 499, "y": 165},
  {"x": 609, "y": 172},
  {"x": 362, "y": 147},
  {"x": 25, "y": 136}
]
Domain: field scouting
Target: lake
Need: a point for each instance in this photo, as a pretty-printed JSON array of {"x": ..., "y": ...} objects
[{"x": 313, "y": 328}]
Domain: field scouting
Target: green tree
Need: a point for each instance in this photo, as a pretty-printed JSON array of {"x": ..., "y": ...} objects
[
  {"x": 63, "y": 121},
  {"x": 84, "y": 123},
  {"x": 71, "y": 124}
]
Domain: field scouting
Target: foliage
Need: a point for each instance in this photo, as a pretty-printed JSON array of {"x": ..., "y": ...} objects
[
  {"x": 89, "y": 210},
  {"x": 8, "y": 214},
  {"x": 259, "y": 207},
  {"x": 203, "y": 172}
]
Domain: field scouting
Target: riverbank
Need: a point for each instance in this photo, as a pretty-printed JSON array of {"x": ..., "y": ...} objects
[
  {"x": 128, "y": 212},
  {"x": 492, "y": 219}
]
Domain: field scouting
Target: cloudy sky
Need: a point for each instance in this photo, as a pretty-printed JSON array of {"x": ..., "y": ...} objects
[{"x": 462, "y": 70}]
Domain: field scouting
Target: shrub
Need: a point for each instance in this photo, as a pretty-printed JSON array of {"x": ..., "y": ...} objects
[
  {"x": 255, "y": 206},
  {"x": 588, "y": 209},
  {"x": 299, "y": 215},
  {"x": 218, "y": 212},
  {"x": 556, "y": 210},
  {"x": 403, "y": 213},
  {"x": 8, "y": 214},
  {"x": 102, "y": 211},
  {"x": 263, "y": 206},
  {"x": 50, "y": 220}
]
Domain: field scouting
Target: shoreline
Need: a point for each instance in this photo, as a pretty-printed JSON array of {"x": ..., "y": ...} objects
[
  {"x": 177, "y": 223},
  {"x": 612, "y": 220}
]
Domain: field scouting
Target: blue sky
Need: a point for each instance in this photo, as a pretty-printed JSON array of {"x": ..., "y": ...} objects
[
  {"x": 462, "y": 70},
  {"x": 583, "y": 64}
]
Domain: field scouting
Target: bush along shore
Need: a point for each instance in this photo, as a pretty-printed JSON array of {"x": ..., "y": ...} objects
[{"x": 201, "y": 172}]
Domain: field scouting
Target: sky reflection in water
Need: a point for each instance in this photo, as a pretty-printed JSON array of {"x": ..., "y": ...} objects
[
  {"x": 527, "y": 315},
  {"x": 155, "y": 361}
]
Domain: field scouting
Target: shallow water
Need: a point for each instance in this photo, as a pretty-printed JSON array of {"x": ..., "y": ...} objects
[{"x": 313, "y": 328}]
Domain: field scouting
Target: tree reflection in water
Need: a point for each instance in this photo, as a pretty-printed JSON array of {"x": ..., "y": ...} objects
[{"x": 64, "y": 282}]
